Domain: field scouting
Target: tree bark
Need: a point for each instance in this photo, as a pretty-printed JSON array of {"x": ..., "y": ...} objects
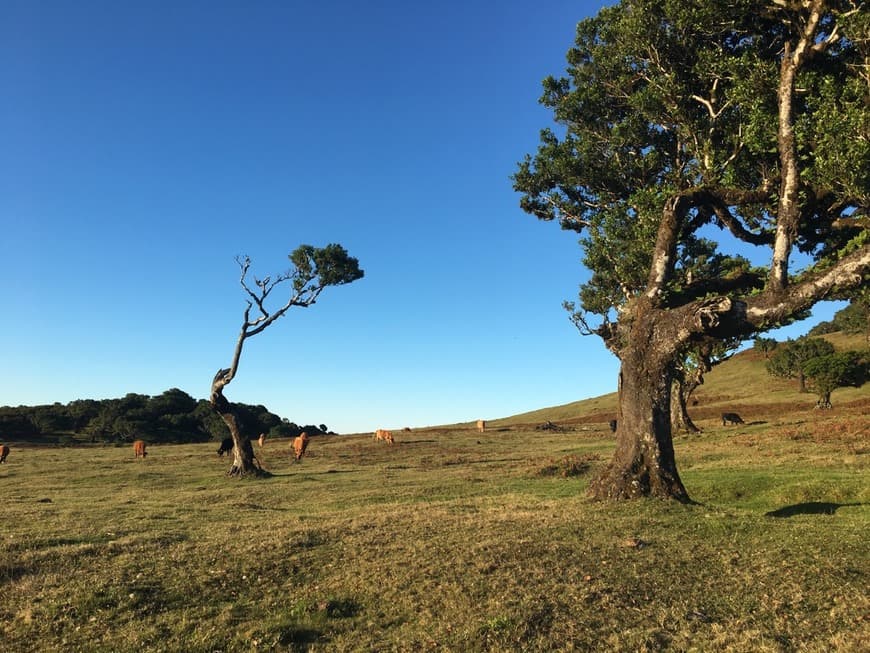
[
  {"x": 680, "y": 419},
  {"x": 643, "y": 463},
  {"x": 244, "y": 461}
]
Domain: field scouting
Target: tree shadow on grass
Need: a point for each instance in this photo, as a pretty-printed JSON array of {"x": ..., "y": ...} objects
[{"x": 809, "y": 508}]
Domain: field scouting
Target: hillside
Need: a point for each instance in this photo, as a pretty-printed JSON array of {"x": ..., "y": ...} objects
[{"x": 740, "y": 384}]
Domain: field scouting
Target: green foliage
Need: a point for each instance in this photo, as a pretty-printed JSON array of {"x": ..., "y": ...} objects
[
  {"x": 765, "y": 345},
  {"x": 854, "y": 318},
  {"x": 663, "y": 98},
  {"x": 789, "y": 358},
  {"x": 321, "y": 267},
  {"x": 836, "y": 370}
]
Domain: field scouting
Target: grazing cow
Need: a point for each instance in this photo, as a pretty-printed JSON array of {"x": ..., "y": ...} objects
[
  {"x": 481, "y": 425},
  {"x": 386, "y": 436},
  {"x": 300, "y": 444},
  {"x": 139, "y": 449},
  {"x": 613, "y": 426},
  {"x": 262, "y": 440},
  {"x": 4, "y": 451},
  {"x": 734, "y": 418},
  {"x": 227, "y": 445}
]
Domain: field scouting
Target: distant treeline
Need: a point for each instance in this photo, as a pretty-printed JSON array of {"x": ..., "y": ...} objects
[
  {"x": 173, "y": 416},
  {"x": 855, "y": 318}
]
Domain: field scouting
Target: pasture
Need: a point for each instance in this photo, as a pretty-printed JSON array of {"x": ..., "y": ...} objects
[{"x": 448, "y": 540}]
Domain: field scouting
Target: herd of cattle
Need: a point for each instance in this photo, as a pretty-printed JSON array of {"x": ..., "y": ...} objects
[{"x": 300, "y": 442}]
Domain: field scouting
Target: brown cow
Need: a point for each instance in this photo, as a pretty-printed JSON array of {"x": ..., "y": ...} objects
[
  {"x": 139, "y": 449},
  {"x": 481, "y": 425},
  {"x": 4, "y": 451},
  {"x": 300, "y": 444},
  {"x": 262, "y": 440},
  {"x": 386, "y": 436}
]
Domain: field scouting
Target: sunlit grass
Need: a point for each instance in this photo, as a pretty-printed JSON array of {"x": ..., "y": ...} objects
[{"x": 450, "y": 540}]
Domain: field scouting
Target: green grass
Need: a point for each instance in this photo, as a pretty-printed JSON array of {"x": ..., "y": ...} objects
[
  {"x": 450, "y": 540},
  {"x": 454, "y": 540}
]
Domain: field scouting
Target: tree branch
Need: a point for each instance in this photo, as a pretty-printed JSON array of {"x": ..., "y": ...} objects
[
  {"x": 788, "y": 216},
  {"x": 718, "y": 202},
  {"x": 745, "y": 282},
  {"x": 727, "y": 317},
  {"x": 315, "y": 269},
  {"x": 847, "y": 273}
]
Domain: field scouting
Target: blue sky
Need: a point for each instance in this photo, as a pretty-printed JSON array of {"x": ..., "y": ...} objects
[{"x": 143, "y": 146}]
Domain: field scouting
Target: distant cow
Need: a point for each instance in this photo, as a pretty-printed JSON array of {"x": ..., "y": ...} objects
[
  {"x": 386, "y": 436},
  {"x": 734, "y": 418},
  {"x": 139, "y": 449},
  {"x": 262, "y": 440},
  {"x": 4, "y": 451},
  {"x": 481, "y": 425},
  {"x": 227, "y": 445},
  {"x": 613, "y": 426},
  {"x": 300, "y": 444}
]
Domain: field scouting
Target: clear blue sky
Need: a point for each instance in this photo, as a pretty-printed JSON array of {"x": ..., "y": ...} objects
[{"x": 143, "y": 145}]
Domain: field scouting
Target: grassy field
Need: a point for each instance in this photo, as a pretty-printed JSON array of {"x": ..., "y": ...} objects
[{"x": 451, "y": 540}]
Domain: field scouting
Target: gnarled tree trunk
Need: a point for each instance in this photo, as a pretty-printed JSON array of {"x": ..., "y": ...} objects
[
  {"x": 245, "y": 462},
  {"x": 643, "y": 463}
]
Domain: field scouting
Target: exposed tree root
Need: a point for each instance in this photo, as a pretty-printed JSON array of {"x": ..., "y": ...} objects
[{"x": 255, "y": 472}]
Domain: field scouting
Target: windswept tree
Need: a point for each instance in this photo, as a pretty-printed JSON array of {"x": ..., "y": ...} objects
[
  {"x": 680, "y": 117},
  {"x": 314, "y": 269}
]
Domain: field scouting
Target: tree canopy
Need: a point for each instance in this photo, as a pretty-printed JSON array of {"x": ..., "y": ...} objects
[
  {"x": 681, "y": 119},
  {"x": 788, "y": 360},
  {"x": 837, "y": 370}
]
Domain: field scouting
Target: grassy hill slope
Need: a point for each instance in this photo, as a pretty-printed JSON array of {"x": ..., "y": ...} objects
[{"x": 741, "y": 384}]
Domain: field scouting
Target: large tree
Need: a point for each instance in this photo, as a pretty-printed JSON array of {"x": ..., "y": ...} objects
[
  {"x": 678, "y": 117},
  {"x": 314, "y": 269},
  {"x": 788, "y": 361},
  {"x": 837, "y": 370}
]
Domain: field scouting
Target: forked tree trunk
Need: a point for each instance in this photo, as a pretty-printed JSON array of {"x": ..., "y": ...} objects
[{"x": 643, "y": 463}]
